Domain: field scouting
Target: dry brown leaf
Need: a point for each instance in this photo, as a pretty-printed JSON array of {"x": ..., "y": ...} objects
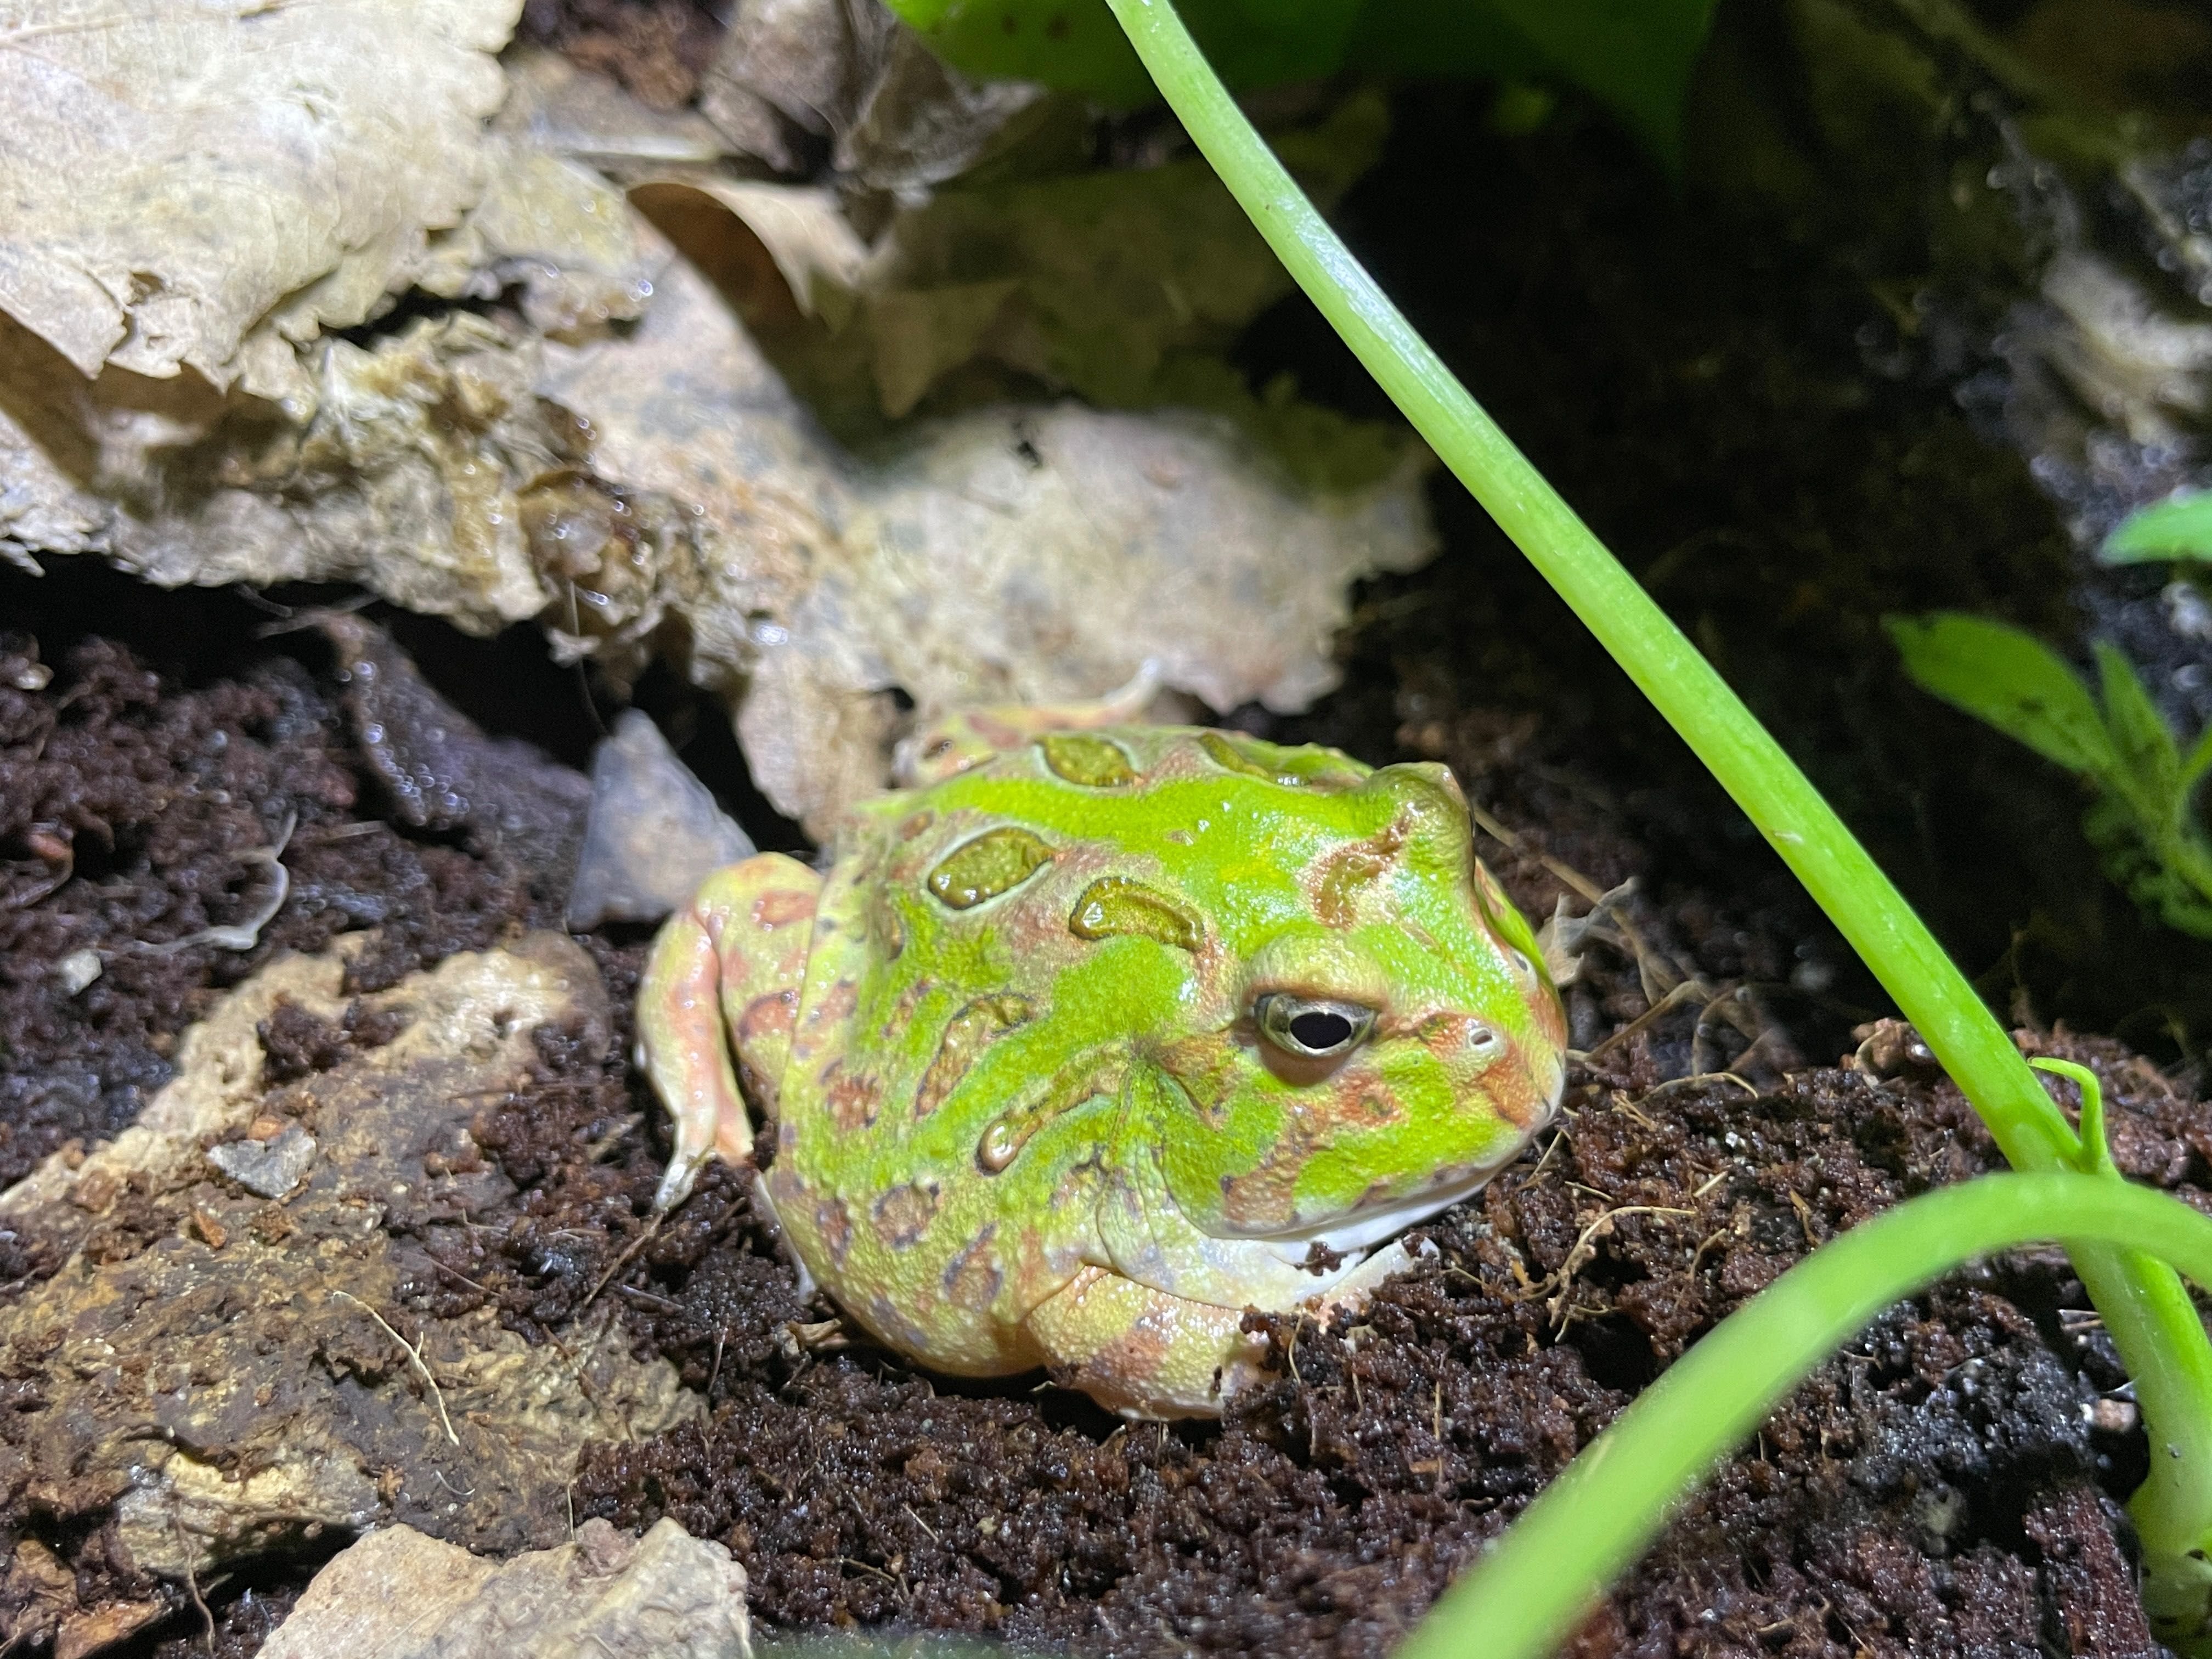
[
  {"x": 791, "y": 73},
  {"x": 176, "y": 174}
]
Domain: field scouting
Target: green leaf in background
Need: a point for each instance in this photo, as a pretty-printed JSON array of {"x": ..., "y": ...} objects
[
  {"x": 1633, "y": 55},
  {"x": 2178, "y": 527},
  {"x": 2142, "y": 822},
  {"x": 2010, "y": 679},
  {"x": 2147, "y": 755}
]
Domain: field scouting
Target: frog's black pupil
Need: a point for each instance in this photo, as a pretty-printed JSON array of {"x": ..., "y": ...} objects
[{"x": 1320, "y": 1030}]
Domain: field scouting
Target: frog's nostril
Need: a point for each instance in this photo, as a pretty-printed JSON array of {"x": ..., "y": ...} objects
[{"x": 1480, "y": 1039}]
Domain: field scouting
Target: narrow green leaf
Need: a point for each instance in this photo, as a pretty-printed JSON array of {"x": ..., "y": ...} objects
[
  {"x": 2150, "y": 765},
  {"x": 2095, "y": 1154},
  {"x": 2178, "y": 527},
  {"x": 2009, "y": 678},
  {"x": 1524, "y": 1597},
  {"x": 2199, "y": 758}
]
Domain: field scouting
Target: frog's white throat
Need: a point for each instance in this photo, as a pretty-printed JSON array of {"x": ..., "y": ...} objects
[{"x": 1353, "y": 1235}]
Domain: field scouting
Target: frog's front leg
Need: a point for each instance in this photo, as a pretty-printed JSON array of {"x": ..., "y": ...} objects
[
  {"x": 1146, "y": 1353},
  {"x": 1141, "y": 1352},
  {"x": 722, "y": 984}
]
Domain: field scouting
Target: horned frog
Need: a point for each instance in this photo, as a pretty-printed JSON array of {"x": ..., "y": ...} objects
[{"x": 1100, "y": 1034}]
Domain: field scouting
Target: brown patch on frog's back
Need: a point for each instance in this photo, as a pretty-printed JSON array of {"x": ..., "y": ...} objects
[
  {"x": 780, "y": 907},
  {"x": 851, "y": 1097},
  {"x": 1336, "y": 881},
  {"x": 916, "y": 823},
  {"x": 911, "y": 996},
  {"x": 825, "y": 1212},
  {"x": 972, "y": 1279},
  {"x": 967, "y": 1034},
  {"x": 769, "y": 1015},
  {"x": 834, "y": 1010},
  {"x": 1114, "y": 906},
  {"x": 903, "y": 1214}
]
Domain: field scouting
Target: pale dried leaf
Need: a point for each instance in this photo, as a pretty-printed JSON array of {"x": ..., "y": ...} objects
[
  {"x": 398, "y": 1594},
  {"x": 556, "y": 107},
  {"x": 175, "y": 174},
  {"x": 402, "y": 472},
  {"x": 1004, "y": 555}
]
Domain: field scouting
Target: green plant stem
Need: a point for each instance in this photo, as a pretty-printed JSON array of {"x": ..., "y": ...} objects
[
  {"x": 2160, "y": 1337},
  {"x": 1588, "y": 1525}
]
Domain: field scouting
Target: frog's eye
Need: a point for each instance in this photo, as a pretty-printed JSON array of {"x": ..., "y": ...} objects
[{"x": 1314, "y": 1028}]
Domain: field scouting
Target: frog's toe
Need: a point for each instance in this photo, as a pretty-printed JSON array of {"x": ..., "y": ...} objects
[{"x": 1142, "y": 1352}]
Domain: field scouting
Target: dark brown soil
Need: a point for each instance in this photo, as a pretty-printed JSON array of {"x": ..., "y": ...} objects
[{"x": 1938, "y": 1490}]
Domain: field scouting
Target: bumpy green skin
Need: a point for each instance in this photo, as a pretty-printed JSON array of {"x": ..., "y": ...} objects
[{"x": 1023, "y": 1112}]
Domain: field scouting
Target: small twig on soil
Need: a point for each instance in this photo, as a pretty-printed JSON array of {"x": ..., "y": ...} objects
[
  {"x": 1537, "y": 1174},
  {"x": 1689, "y": 990},
  {"x": 1589, "y": 890},
  {"x": 241, "y": 935},
  {"x": 61, "y": 869},
  {"x": 1437, "y": 1426},
  {"x": 1700, "y": 1077},
  {"x": 414, "y": 1353},
  {"x": 1563, "y": 1281},
  {"x": 192, "y": 1580},
  {"x": 629, "y": 1251}
]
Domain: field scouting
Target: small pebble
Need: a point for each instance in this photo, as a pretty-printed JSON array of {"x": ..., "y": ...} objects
[
  {"x": 77, "y": 970},
  {"x": 270, "y": 1169}
]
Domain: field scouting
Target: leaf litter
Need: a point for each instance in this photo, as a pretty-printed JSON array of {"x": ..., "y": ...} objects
[{"x": 587, "y": 434}]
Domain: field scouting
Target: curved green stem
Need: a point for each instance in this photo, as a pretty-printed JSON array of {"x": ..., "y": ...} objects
[
  {"x": 2149, "y": 1314},
  {"x": 1590, "y": 1524}
]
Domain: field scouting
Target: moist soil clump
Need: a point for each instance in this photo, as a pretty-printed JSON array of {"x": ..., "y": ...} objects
[{"x": 1949, "y": 1484}]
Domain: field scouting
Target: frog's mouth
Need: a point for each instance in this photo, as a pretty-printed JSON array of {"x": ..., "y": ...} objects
[{"x": 1364, "y": 1228}]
